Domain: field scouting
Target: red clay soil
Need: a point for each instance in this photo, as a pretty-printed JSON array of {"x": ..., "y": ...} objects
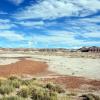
[
  {"x": 23, "y": 67},
  {"x": 73, "y": 82}
]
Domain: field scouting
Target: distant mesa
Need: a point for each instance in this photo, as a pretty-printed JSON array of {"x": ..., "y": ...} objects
[{"x": 90, "y": 49}]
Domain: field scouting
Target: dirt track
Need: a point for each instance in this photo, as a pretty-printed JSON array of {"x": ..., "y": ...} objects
[{"x": 23, "y": 67}]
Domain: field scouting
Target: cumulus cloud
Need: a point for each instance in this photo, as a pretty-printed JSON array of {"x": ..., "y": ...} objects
[{"x": 52, "y": 9}]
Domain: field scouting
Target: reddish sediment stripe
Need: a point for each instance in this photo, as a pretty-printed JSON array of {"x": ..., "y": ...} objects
[{"x": 23, "y": 67}]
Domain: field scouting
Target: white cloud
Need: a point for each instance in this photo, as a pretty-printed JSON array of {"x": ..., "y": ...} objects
[
  {"x": 53, "y": 39},
  {"x": 61, "y": 38},
  {"x": 52, "y": 9},
  {"x": 82, "y": 25},
  {"x": 92, "y": 5},
  {"x": 16, "y": 2},
  {"x": 11, "y": 35},
  {"x": 6, "y": 26},
  {"x": 31, "y": 23},
  {"x": 92, "y": 35},
  {"x": 92, "y": 20},
  {"x": 56, "y": 38}
]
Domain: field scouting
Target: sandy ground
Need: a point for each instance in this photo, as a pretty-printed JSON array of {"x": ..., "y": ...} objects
[
  {"x": 4, "y": 61},
  {"x": 63, "y": 65},
  {"x": 72, "y": 73},
  {"x": 83, "y": 67}
]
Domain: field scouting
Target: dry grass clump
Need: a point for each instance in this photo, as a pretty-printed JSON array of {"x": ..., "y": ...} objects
[
  {"x": 43, "y": 95},
  {"x": 12, "y": 98},
  {"x": 24, "y": 92},
  {"x": 13, "y": 78},
  {"x": 15, "y": 83},
  {"x": 55, "y": 88},
  {"x": 90, "y": 97},
  {"x": 15, "y": 88},
  {"x": 32, "y": 89},
  {"x": 8, "y": 86},
  {"x": 6, "y": 89}
]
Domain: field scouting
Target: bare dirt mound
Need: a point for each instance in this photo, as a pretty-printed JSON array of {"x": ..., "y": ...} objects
[{"x": 23, "y": 67}]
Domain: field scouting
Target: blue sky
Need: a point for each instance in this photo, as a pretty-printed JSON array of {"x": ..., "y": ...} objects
[{"x": 49, "y": 23}]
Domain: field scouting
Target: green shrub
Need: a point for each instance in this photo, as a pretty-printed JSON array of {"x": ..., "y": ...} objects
[
  {"x": 53, "y": 96},
  {"x": 72, "y": 94},
  {"x": 32, "y": 82},
  {"x": 6, "y": 89},
  {"x": 24, "y": 92},
  {"x": 1, "y": 82},
  {"x": 43, "y": 95},
  {"x": 13, "y": 78},
  {"x": 90, "y": 97},
  {"x": 33, "y": 79},
  {"x": 15, "y": 83},
  {"x": 59, "y": 89},
  {"x": 12, "y": 98},
  {"x": 26, "y": 82},
  {"x": 55, "y": 88}
]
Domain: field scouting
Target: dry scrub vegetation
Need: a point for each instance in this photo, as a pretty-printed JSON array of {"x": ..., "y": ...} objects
[{"x": 14, "y": 88}]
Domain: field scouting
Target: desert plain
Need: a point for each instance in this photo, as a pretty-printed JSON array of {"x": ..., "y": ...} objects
[{"x": 75, "y": 71}]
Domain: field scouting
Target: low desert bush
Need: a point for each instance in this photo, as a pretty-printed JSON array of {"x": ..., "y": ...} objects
[
  {"x": 90, "y": 97},
  {"x": 72, "y": 94},
  {"x": 43, "y": 95},
  {"x": 55, "y": 88},
  {"x": 59, "y": 89},
  {"x": 12, "y": 98},
  {"x": 1, "y": 82},
  {"x": 24, "y": 92},
  {"x": 13, "y": 78},
  {"x": 15, "y": 83},
  {"x": 24, "y": 89},
  {"x": 6, "y": 89},
  {"x": 26, "y": 82},
  {"x": 31, "y": 83}
]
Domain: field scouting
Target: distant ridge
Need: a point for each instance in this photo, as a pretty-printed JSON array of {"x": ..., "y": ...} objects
[{"x": 82, "y": 49}]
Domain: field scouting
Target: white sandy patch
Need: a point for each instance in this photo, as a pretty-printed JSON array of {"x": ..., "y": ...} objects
[
  {"x": 13, "y": 55},
  {"x": 7, "y": 61},
  {"x": 85, "y": 67}
]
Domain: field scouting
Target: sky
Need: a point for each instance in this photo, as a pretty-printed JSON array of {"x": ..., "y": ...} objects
[{"x": 49, "y": 23}]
